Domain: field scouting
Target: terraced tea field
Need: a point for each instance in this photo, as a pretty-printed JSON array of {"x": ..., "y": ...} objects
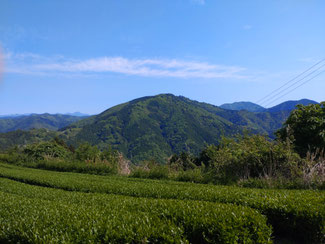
[{"x": 39, "y": 206}]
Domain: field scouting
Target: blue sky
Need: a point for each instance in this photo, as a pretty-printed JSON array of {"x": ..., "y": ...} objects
[{"x": 66, "y": 56}]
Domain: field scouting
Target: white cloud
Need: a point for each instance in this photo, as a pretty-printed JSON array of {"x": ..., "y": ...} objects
[
  {"x": 309, "y": 60},
  {"x": 27, "y": 63},
  {"x": 247, "y": 27},
  {"x": 201, "y": 2}
]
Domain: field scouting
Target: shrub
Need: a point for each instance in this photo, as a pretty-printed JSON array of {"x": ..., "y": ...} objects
[
  {"x": 249, "y": 157},
  {"x": 191, "y": 175},
  {"x": 297, "y": 214},
  {"x": 86, "y": 152},
  {"x": 151, "y": 170},
  {"x": 35, "y": 214},
  {"x": 45, "y": 150},
  {"x": 305, "y": 127}
]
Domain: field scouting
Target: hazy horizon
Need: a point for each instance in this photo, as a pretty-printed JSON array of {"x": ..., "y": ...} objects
[{"x": 76, "y": 112}]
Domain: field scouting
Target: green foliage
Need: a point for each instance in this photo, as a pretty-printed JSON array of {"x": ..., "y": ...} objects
[
  {"x": 21, "y": 138},
  {"x": 46, "y": 150},
  {"x": 86, "y": 152},
  {"x": 184, "y": 161},
  {"x": 43, "y": 215},
  {"x": 153, "y": 127},
  {"x": 290, "y": 105},
  {"x": 157, "y": 127},
  {"x": 297, "y": 214},
  {"x": 192, "y": 175},
  {"x": 150, "y": 170},
  {"x": 306, "y": 128},
  {"x": 37, "y": 121},
  {"x": 249, "y": 157},
  {"x": 249, "y": 106},
  {"x": 56, "y": 155}
]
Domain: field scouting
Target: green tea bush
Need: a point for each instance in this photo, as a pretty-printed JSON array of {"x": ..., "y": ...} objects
[
  {"x": 35, "y": 214},
  {"x": 150, "y": 170},
  {"x": 98, "y": 168},
  {"x": 193, "y": 175},
  {"x": 299, "y": 214}
]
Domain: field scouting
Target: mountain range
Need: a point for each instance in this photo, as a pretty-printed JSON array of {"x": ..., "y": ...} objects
[
  {"x": 157, "y": 126},
  {"x": 252, "y": 107},
  {"x": 37, "y": 121}
]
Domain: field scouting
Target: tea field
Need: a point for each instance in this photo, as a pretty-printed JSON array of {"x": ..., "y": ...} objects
[{"x": 39, "y": 206}]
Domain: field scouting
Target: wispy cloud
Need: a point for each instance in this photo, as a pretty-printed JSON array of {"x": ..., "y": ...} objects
[
  {"x": 247, "y": 27},
  {"x": 28, "y": 63},
  {"x": 309, "y": 60},
  {"x": 201, "y": 2}
]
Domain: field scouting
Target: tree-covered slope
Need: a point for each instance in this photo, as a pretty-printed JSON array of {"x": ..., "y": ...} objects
[
  {"x": 158, "y": 126},
  {"x": 265, "y": 123},
  {"x": 249, "y": 106},
  {"x": 22, "y": 138},
  {"x": 37, "y": 121},
  {"x": 290, "y": 105},
  {"x": 152, "y": 127}
]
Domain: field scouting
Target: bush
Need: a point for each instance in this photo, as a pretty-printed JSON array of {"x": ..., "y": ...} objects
[
  {"x": 191, "y": 175},
  {"x": 305, "y": 127},
  {"x": 34, "y": 214},
  {"x": 45, "y": 150},
  {"x": 150, "y": 170},
  {"x": 298, "y": 214},
  {"x": 249, "y": 157},
  {"x": 86, "y": 152},
  {"x": 56, "y": 155}
]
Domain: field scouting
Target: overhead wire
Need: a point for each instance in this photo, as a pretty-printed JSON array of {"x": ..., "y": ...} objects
[
  {"x": 296, "y": 87},
  {"x": 271, "y": 93},
  {"x": 296, "y": 82}
]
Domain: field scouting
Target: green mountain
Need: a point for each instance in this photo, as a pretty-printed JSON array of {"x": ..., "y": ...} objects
[
  {"x": 153, "y": 127},
  {"x": 290, "y": 105},
  {"x": 249, "y": 106},
  {"x": 21, "y": 138},
  {"x": 37, "y": 121},
  {"x": 158, "y": 126}
]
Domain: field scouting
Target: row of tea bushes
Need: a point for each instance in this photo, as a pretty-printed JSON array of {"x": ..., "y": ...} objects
[
  {"x": 34, "y": 214},
  {"x": 294, "y": 213}
]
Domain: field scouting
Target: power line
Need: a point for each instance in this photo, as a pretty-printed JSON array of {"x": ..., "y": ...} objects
[
  {"x": 296, "y": 87},
  {"x": 259, "y": 101},
  {"x": 274, "y": 96}
]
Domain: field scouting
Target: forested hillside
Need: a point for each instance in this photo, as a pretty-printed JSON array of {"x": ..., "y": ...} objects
[
  {"x": 37, "y": 121},
  {"x": 158, "y": 126},
  {"x": 249, "y": 106},
  {"x": 152, "y": 127},
  {"x": 149, "y": 127}
]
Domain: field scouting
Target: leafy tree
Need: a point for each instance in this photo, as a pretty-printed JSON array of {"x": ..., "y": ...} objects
[
  {"x": 305, "y": 128},
  {"x": 86, "y": 152},
  {"x": 249, "y": 157},
  {"x": 183, "y": 161},
  {"x": 44, "y": 150}
]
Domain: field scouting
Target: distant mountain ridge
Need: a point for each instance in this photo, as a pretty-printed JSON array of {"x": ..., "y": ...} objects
[
  {"x": 152, "y": 127},
  {"x": 249, "y": 106},
  {"x": 290, "y": 105},
  {"x": 253, "y": 107},
  {"x": 36, "y": 121},
  {"x": 28, "y": 114},
  {"x": 157, "y": 126}
]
